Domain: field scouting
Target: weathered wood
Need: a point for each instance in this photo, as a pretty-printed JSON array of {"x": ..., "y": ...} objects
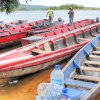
[
  {"x": 92, "y": 62},
  {"x": 96, "y": 52},
  {"x": 39, "y": 51},
  {"x": 79, "y": 83},
  {"x": 90, "y": 69},
  {"x": 97, "y": 48},
  {"x": 70, "y": 32},
  {"x": 92, "y": 93},
  {"x": 88, "y": 78},
  {"x": 47, "y": 47},
  {"x": 94, "y": 56},
  {"x": 83, "y": 39}
]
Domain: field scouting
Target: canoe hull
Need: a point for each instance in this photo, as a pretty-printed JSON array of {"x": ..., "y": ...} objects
[{"x": 31, "y": 69}]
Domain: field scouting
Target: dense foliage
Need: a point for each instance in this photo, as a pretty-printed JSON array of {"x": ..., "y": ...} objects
[
  {"x": 66, "y": 6},
  {"x": 9, "y": 5}
]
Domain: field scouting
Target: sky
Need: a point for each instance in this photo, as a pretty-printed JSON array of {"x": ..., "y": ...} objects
[{"x": 86, "y": 3}]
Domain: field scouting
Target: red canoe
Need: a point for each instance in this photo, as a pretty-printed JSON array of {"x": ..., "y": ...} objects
[
  {"x": 53, "y": 31},
  {"x": 44, "y": 53},
  {"x": 14, "y": 34},
  {"x": 3, "y": 26}
]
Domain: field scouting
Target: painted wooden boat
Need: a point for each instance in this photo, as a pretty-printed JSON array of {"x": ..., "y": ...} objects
[
  {"x": 13, "y": 35},
  {"x": 64, "y": 28},
  {"x": 11, "y": 24},
  {"x": 82, "y": 73},
  {"x": 77, "y": 24},
  {"x": 44, "y": 53}
]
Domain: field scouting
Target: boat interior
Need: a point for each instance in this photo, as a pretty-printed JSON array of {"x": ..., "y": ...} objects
[
  {"x": 82, "y": 30},
  {"x": 73, "y": 38},
  {"x": 83, "y": 72}
]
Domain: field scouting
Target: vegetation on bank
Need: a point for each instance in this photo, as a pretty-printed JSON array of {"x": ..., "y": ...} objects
[
  {"x": 13, "y": 5},
  {"x": 75, "y": 6},
  {"x": 62, "y": 7}
]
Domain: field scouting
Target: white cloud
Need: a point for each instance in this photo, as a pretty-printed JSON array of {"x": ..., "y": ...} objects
[{"x": 87, "y": 3}]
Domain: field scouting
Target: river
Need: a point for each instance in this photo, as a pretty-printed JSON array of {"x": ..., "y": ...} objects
[
  {"x": 36, "y": 15},
  {"x": 26, "y": 87}
]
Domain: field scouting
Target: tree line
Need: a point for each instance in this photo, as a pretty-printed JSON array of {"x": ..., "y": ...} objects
[
  {"x": 66, "y": 6},
  {"x": 12, "y": 5},
  {"x": 75, "y": 6}
]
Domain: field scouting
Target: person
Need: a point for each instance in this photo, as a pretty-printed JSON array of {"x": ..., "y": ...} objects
[
  {"x": 50, "y": 14},
  {"x": 71, "y": 15}
]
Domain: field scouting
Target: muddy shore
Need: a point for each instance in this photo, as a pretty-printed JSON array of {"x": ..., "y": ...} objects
[{"x": 26, "y": 88}]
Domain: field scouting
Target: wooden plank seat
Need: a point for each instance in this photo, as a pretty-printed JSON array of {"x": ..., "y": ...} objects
[
  {"x": 79, "y": 83},
  {"x": 96, "y": 52},
  {"x": 39, "y": 51},
  {"x": 94, "y": 56},
  {"x": 97, "y": 48},
  {"x": 47, "y": 47},
  {"x": 83, "y": 39},
  {"x": 88, "y": 78},
  {"x": 90, "y": 69},
  {"x": 92, "y": 62}
]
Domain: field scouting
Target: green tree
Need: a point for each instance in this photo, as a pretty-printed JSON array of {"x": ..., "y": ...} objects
[{"x": 9, "y": 5}]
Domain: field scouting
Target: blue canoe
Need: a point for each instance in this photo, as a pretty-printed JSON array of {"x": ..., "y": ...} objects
[{"x": 82, "y": 73}]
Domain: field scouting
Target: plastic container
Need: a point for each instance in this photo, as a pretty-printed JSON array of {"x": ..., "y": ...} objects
[
  {"x": 43, "y": 88},
  {"x": 57, "y": 76},
  {"x": 38, "y": 97},
  {"x": 49, "y": 91},
  {"x": 71, "y": 94},
  {"x": 65, "y": 95}
]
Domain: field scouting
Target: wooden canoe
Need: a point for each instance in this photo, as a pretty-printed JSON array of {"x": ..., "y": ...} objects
[
  {"x": 11, "y": 24},
  {"x": 12, "y": 35},
  {"x": 82, "y": 73},
  {"x": 60, "y": 29},
  {"x": 44, "y": 53}
]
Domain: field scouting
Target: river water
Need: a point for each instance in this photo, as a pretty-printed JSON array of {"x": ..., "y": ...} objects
[
  {"x": 36, "y": 15},
  {"x": 26, "y": 87}
]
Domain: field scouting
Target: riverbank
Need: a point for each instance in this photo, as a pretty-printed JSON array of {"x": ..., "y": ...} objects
[{"x": 26, "y": 88}]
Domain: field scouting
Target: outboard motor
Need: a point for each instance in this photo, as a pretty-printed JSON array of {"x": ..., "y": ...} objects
[
  {"x": 59, "y": 19},
  {"x": 97, "y": 19}
]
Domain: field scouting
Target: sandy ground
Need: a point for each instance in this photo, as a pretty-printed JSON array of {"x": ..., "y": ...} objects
[{"x": 26, "y": 88}]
